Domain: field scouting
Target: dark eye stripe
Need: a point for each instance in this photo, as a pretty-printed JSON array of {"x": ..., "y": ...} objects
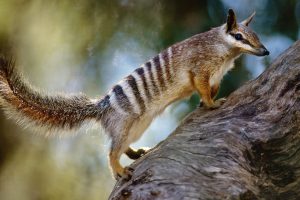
[{"x": 247, "y": 42}]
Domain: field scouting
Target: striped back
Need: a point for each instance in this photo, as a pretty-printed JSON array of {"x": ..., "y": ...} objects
[{"x": 135, "y": 92}]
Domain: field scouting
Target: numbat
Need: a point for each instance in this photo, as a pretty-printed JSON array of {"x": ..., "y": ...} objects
[{"x": 195, "y": 64}]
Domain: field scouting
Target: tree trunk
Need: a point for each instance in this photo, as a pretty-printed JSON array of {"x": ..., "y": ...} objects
[{"x": 247, "y": 149}]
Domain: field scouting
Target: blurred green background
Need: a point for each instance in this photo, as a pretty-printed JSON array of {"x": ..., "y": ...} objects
[{"x": 87, "y": 46}]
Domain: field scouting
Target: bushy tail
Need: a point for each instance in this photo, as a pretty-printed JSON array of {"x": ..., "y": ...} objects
[{"x": 33, "y": 108}]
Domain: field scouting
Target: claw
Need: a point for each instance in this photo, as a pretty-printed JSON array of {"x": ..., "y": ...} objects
[
  {"x": 117, "y": 176},
  {"x": 127, "y": 173},
  {"x": 218, "y": 103},
  {"x": 201, "y": 104}
]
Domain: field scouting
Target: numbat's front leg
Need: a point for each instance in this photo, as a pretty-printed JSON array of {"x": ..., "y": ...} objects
[
  {"x": 202, "y": 85},
  {"x": 207, "y": 93}
]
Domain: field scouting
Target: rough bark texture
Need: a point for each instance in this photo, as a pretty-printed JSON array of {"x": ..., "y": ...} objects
[{"x": 247, "y": 149}]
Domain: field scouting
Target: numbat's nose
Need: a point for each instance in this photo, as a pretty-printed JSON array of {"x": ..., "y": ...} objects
[
  {"x": 263, "y": 51},
  {"x": 266, "y": 52}
]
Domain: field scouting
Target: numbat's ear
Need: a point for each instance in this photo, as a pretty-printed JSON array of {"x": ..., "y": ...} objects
[
  {"x": 231, "y": 21},
  {"x": 247, "y": 21}
]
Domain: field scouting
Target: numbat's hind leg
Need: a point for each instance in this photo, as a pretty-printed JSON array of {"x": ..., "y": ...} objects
[
  {"x": 118, "y": 147},
  {"x": 135, "y": 154},
  {"x": 116, "y": 167}
]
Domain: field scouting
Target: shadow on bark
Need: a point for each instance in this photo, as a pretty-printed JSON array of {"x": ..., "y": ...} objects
[{"x": 247, "y": 149}]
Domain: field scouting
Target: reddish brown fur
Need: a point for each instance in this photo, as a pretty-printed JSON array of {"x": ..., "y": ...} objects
[{"x": 57, "y": 111}]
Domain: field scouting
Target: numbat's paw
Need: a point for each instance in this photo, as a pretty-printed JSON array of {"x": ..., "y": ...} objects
[
  {"x": 218, "y": 103},
  {"x": 125, "y": 175},
  {"x": 136, "y": 154},
  {"x": 143, "y": 151}
]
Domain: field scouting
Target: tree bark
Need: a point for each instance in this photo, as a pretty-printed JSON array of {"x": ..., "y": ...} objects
[{"x": 247, "y": 149}]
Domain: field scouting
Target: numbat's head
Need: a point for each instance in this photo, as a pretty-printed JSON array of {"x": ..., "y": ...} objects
[{"x": 241, "y": 37}]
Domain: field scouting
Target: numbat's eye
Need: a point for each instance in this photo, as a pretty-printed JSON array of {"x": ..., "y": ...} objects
[{"x": 238, "y": 36}]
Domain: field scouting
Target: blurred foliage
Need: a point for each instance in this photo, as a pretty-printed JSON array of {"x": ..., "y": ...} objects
[{"x": 87, "y": 46}]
